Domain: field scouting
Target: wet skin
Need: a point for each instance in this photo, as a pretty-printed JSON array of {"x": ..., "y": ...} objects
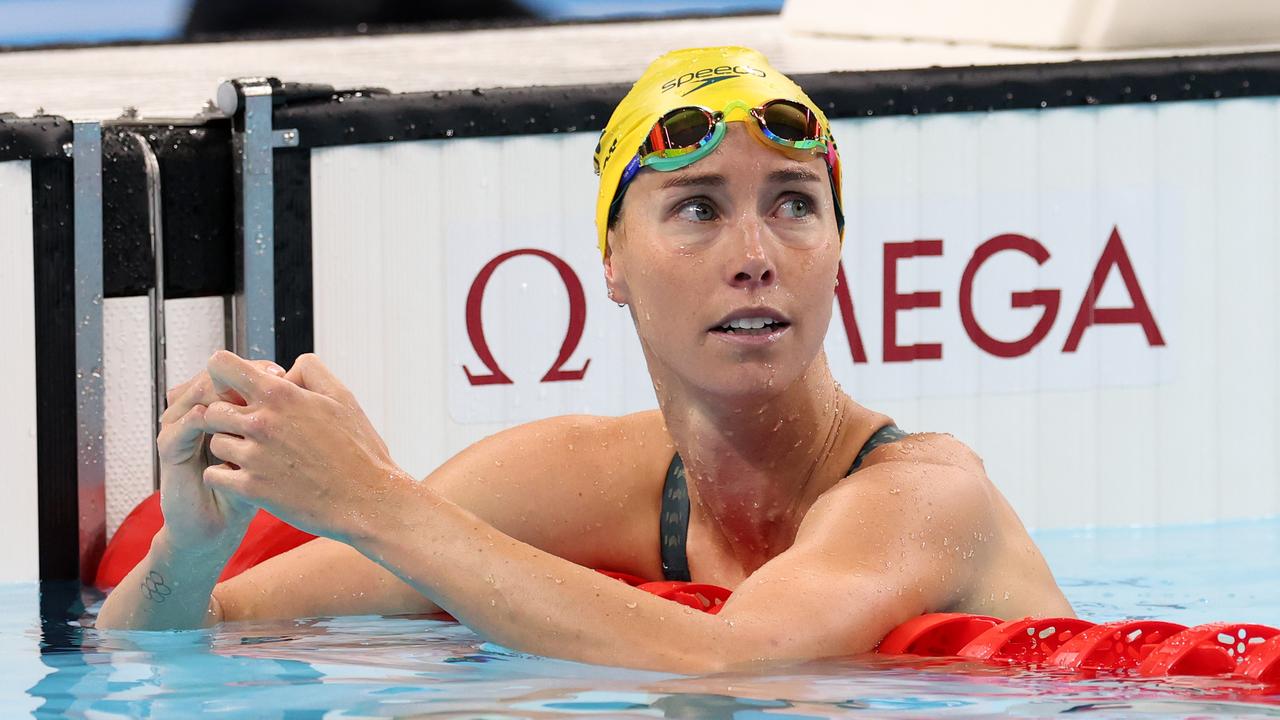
[{"x": 501, "y": 535}]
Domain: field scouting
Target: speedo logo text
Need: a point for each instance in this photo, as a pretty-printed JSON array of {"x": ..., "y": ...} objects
[{"x": 709, "y": 76}]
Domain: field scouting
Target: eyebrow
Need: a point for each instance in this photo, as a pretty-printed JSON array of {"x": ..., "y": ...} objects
[
  {"x": 698, "y": 180},
  {"x": 786, "y": 175},
  {"x": 793, "y": 174}
]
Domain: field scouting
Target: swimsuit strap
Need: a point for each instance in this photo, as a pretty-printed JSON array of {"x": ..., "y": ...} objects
[
  {"x": 885, "y": 435},
  {"x": 674, "y": 522}
]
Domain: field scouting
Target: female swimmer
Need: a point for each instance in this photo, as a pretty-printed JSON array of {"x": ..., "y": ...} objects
[{"x": 721, "y": 230}]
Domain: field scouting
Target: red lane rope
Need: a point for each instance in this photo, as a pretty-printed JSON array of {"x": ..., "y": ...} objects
[
  {"x": 1029, "y": 640},
  {"x": 1263, "y": 664},
  {"x": 1147, "y": 648},
  {"x": 1213, "y": 649},
  {"x": 936, "y": 635},
  {"x": 1121, "y": 645}
]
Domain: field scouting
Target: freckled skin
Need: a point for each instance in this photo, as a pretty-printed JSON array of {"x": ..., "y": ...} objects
[{"x": 821, "y": 564}]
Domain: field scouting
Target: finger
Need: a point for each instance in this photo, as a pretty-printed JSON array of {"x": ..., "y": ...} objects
[
  {"x": 230, "y": 371},
  {"x": 229, "y": 394},
  {"x": 199, "y": 390},
  {"x": 220, "y": 390},
  {"x": 225, "y": 417},
  {"x": 230, "y": 448},
  {"x": 193, "y": 392},
  {"x": 176, "y": 392},
  {"x": 178, "y": 440},
  {"x": 228, "y": 479},
  {"x": 310, "y": 373},
  {"x": 225, "y": 392}
]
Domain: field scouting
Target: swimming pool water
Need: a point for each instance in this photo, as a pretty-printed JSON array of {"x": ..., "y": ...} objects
[{"x": 397, "y": 667}]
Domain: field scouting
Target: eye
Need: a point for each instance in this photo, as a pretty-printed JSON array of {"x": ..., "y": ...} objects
[
  {"x": 696, "y": 211},
  {"x": 796, "y": 207}
]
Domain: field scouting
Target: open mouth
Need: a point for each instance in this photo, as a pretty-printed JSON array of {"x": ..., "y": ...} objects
[{"x": 752, "y": 326}]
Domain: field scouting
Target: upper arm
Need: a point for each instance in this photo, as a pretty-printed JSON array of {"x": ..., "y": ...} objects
[{"x": 899, "y": 540}]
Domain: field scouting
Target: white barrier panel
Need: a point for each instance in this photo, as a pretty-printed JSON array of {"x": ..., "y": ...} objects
[
  {"x": 126, "y": 358},
  {"x": 194, "y": 330},
  {"x": 19, "y": 513},
  {"x": 1084, "y": 295}
]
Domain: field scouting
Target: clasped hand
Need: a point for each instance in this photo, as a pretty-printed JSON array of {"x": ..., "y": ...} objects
[{"x": 298, "y": 446}]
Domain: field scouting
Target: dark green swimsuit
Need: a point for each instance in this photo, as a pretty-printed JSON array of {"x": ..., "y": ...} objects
[{"x": 675, "y": 505}]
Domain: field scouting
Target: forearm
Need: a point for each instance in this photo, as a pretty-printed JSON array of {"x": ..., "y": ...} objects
[
  {"x": 533, "y": 601},
  {"x": 168, "y": 590}
]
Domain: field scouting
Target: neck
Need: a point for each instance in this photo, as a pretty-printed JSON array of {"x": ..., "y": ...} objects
[{"x": 755, "y": 464}]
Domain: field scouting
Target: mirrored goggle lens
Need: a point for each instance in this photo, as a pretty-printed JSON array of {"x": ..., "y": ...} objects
[
  {"x": 683, "y": 128},
  {"x": 790, "y": 121}
]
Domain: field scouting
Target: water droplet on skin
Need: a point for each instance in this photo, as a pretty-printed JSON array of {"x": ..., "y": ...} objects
[{"x": 631, "y": 605}]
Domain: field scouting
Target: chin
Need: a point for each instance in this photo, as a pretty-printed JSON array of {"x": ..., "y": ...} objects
[
  {"x": 752, "y": 380},
  {"x": 732, "y": 377}
]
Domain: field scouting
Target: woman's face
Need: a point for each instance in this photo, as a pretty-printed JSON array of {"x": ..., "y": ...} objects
[{"x": 729, "y": 266}]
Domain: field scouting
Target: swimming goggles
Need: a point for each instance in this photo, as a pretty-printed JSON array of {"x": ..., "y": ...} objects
[{"x": 685, "y": 135}]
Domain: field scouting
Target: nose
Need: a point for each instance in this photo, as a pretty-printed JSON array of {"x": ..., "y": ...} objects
[{"x": 752, "y": 266}]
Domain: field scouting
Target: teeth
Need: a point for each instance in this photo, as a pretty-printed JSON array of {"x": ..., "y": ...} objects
[{"x": 749, "y": 323}]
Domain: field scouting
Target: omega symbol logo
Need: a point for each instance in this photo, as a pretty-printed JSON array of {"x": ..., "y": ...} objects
[{"x": 573, "y": 335}]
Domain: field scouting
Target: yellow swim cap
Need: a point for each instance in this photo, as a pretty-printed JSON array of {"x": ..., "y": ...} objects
[{"x": 708, "y": 77}]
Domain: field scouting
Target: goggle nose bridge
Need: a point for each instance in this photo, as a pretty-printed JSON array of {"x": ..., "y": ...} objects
[{"x": 723, "y": 115}]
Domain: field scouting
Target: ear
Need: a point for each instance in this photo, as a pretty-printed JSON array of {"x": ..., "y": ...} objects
[{"x": 614, "y": 275}]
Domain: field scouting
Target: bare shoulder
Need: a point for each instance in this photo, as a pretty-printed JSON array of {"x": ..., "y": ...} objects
[
  {"x": 924, "y": 509},
  {"x": 918, "y": 514},
  {"x": 920, "y": 483},
  {"x": 930, "y": 448},
  {"x": 563, "y": 484},
  {"x": 560, "y": 462},
  {"x": 934, "y": 462},
  {"x": 570, "y": 440}
]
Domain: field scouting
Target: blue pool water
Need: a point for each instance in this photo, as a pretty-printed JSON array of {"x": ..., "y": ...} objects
[{"x": 371, "y": 667}]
